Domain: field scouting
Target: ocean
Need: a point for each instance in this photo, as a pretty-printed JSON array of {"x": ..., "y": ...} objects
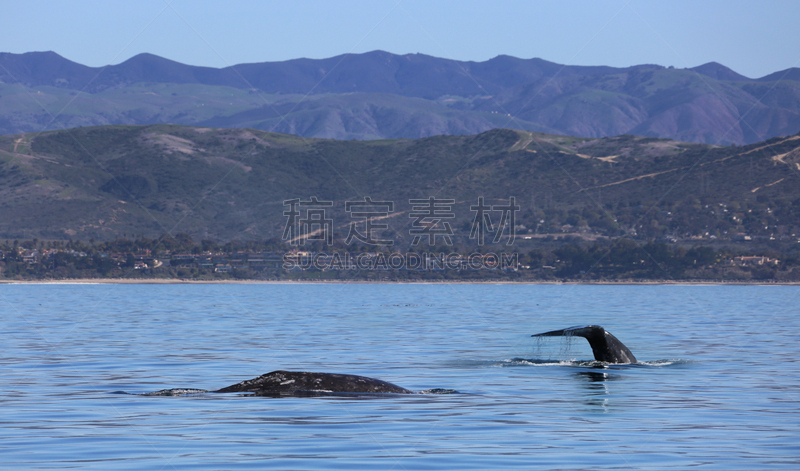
[{"x": 716, "y": 387}]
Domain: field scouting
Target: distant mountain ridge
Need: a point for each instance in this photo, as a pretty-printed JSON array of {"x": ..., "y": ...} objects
[
  {"x": 415, "y": 75},
  {"x": 417, "y": 96}
]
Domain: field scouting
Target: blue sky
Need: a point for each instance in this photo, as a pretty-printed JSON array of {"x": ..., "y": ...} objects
[{"x": 753, "y": 38}]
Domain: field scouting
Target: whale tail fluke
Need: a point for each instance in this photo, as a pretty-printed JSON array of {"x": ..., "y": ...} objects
[{"x": 605, "y": 346}]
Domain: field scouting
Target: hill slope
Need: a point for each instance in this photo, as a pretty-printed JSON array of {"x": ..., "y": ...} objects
[{"x": 225, "y": 184}]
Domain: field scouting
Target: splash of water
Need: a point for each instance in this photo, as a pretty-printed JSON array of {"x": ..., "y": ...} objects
[{"x": 175, "y": 392}]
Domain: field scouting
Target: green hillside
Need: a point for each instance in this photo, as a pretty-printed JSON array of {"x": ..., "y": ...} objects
[{"x": 230, "y": 184}]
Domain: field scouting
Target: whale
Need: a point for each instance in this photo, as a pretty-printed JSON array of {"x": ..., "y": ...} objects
[
  {"x": 293, "y": 383},
  {"x": 302, "y": 383},
  {"x": 605, "y": 346}
]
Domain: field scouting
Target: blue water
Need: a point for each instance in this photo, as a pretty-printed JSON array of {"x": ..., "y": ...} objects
[{"x": 718, "y": 387}]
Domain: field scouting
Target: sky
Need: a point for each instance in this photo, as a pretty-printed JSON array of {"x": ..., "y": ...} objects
[{"x": 754, "y": 38}]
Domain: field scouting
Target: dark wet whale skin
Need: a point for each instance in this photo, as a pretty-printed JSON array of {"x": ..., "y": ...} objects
[
  {"x": 605, "y": 347},
  {"x": 288, "y": 383}
]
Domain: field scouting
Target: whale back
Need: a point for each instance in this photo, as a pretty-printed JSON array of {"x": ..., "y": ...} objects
[
  {"x": 287, "y": 383},
  {"x": 605, "y": 346}
]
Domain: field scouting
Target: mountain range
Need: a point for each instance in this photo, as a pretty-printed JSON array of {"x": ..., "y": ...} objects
[{"x": 380, "y": 95}]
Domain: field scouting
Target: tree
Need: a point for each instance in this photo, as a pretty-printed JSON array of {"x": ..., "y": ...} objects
[{"x": 700, "y": 256}]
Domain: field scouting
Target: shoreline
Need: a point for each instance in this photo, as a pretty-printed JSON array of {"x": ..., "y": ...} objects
[{"x": 92, "y": 281}]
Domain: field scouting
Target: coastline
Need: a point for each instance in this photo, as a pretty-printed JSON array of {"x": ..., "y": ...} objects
[{"x": 93, "y": 281}]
